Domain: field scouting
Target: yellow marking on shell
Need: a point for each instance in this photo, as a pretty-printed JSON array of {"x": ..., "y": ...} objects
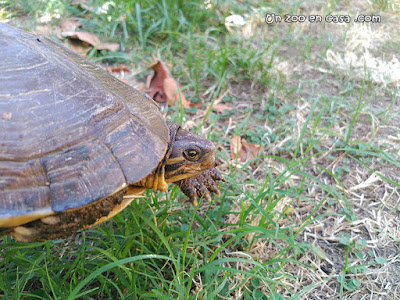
[
  {"x": 132, "y": 194},
  {"x": 12, "y": 221},
  {"x": 175, "y": 160}
]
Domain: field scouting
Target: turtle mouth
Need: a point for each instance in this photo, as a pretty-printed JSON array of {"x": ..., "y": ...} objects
[{"x": 180, "y": 170}]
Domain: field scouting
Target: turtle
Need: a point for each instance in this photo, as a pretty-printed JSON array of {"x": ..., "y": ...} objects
[{"x": 77, "y": 145}]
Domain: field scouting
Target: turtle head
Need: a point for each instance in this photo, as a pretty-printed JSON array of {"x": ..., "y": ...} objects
[{"x": 189, "y": 155}]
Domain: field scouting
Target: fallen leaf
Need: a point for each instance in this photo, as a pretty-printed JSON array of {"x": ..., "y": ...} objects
[
  {"x": 157, "y": 95},
  {"x": 243, "y": 150},
  {"x": 155, "y": 82},
  {"x": 163, "y": 88},
  {"x": 174, "y": 94},
  {"x": 69, "y": 25},
  {"x": 86, "y": 37},
  {"x": 78, "y": 46},
  {"x": 222, "y": 107},
  {"x": 108, "y": 46},
  {"x": 117, "y": 69},
  {"x": 91, "y": 39}
]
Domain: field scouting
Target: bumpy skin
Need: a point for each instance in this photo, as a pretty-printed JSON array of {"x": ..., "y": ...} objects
[
  {"x": 66, "y": 223},
  {"x": 202, "y": 185}
]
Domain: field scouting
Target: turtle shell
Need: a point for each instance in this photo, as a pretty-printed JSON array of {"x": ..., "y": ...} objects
[{"x": 70, "y": 133}]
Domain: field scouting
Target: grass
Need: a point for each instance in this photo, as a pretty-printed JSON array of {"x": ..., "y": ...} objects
[{"x": 313, "y": 216}]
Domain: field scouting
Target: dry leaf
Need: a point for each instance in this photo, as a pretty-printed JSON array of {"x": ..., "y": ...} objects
[
  {"x": 69, "y": 25},
  {"x": 236, "y": 146},
  {"x": 155, "y": 82},
  {"x": 108, "y": 46},
  {"x": 243, "y": 150},
  {"x": 163, "y": 88},
  {"x": 174, "y": 94},
  {"x": 90, "y": 39},
  {"x": 86, "y": 37},
  {"x": 81, "y": 47},
  {"x": 222, "y": 107},
  {"x": 118, "y": 69}
]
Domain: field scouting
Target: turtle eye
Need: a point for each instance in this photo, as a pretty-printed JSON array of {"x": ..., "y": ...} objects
[{"x": 191, "y": 154}]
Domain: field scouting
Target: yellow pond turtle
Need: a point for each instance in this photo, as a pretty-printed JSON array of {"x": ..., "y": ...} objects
[{"x": 77, "y": 145}]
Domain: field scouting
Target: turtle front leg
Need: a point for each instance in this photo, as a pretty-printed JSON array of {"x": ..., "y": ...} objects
[{"x": 202, "y": 185}]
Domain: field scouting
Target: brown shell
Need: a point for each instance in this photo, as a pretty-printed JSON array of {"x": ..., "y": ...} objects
[{"x": 70, "y": 133}]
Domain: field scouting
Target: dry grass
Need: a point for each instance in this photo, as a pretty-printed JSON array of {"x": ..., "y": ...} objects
[{"x": 375, "y": 201}]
